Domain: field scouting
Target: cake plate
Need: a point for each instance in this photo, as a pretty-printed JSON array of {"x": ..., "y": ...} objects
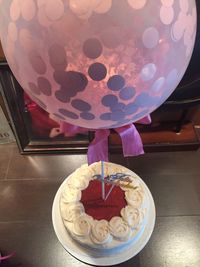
[{"x": 89, "y": 256}]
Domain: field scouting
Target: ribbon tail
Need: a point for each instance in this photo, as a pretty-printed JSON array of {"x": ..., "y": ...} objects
[
  {"x": 98, "y": 148},
  {"x": 131, "y": 140},
  {"x": 146, "y": 120},
  {"x": 6, "y": 257}
]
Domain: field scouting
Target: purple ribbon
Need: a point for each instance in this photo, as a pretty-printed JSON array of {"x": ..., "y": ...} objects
[
  {"x": 131, "y": 140},
  {"x": 145, "y": 120},
  {"x": 6, "y": 257},
  {"x": 98, "y": 148}
]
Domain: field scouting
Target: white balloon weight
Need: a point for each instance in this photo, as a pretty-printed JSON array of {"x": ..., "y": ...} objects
[{"x": 98, "y": 63}]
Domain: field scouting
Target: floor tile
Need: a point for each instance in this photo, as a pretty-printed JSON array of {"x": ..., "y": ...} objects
[
  {"x": 5, "y": 155},
  {"x": 186, "y": 162},
  {"x": 174, "y": 194},
  {"x": 43, "y": 166},
  {"x": 27, "y": 200},
  {"x": 118, "y": 159},
  {"x": 197, "y": 184},
  {"x": 35, "y": 244},
  {"x": 174, "y": 243}
]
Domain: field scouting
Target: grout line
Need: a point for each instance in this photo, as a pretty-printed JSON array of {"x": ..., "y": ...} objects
[
  {"x": 30, "y": 179},
  {"x": 8, "y": 222},
  {"x": 25, "y": 221},
  {"x": 181, "y": 215},
  {"x": 33, "y": 221},
  {"x": 8, "y": 166}
]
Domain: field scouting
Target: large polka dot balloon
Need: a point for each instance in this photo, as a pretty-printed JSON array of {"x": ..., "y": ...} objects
[{"x": 98, "y": 63}]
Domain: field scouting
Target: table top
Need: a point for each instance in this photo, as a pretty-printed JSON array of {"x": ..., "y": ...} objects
[{"x": 28, "y": 185}]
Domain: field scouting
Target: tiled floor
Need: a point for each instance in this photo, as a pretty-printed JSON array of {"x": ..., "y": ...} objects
[{"x": 28, "y": 185}]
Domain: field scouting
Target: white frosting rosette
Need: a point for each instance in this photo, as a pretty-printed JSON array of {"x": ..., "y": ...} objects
[
  {"x": 82, "y": 225},
  {"x": 87, "y": 170},
  {"x": 81, "y": 178},
  {"x": 70, "y": 211},
  {"x": 119, "y": 229},
  {"x": 132, "y": 216},
  {"x": 80, "y": 182},
  {"x": 134, "y": 198},
  {"x": 100, "y": 232},
  {"x": 96, "y": 168},
  {"x": 70, "y": 194}
]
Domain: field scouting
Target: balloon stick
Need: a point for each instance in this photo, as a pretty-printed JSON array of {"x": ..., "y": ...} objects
[{"x": 102, "y": 181}]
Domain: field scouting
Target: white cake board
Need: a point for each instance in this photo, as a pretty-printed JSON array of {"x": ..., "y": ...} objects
[{"x": 85, "y": 255}]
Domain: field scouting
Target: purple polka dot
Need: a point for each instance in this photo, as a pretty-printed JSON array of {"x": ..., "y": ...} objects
[
  {"x": 145, "y": 100},
  {"x": 71, "y": 81},
  {"x": 130, "y": 108},
  {"x": 37, "y": 62},
  {"x": 80, "y": 105},
  {"x": 109, "y": 100},
  {"x": 118, "y": 107},
  {"x": 68, "y": 114},
  {"x": 97, "y": 71},
  {"x": 92, "y": 48},
  {"x": 127, "y": 93},
  {"x": 62, "y": 96},
  {"x": 87, "y": 116},
  {"x": 59, "y": 116},
  {"x": 44, "y": 86},
  {"x": 105, "y": 116},
  {"x": 34, "y": 89},
  {"x": 142, "y": 99},
  {"x": 116, "y": 83},
  {"x": 57, "y": 57},
  {"x": 117, "y": 115}
]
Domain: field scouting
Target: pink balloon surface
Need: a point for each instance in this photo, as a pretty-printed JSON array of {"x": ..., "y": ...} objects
[{"x": 98, "y": 63}]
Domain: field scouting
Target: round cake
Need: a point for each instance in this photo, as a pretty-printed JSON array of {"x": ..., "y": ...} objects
[{"x": 107, "y": 225}]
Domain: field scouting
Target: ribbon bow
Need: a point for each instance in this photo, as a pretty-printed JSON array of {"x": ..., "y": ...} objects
[{"x": 98, "y": 148}]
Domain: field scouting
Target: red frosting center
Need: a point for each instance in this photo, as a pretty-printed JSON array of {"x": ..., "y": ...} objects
[{"x": 99, "y": 209}]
